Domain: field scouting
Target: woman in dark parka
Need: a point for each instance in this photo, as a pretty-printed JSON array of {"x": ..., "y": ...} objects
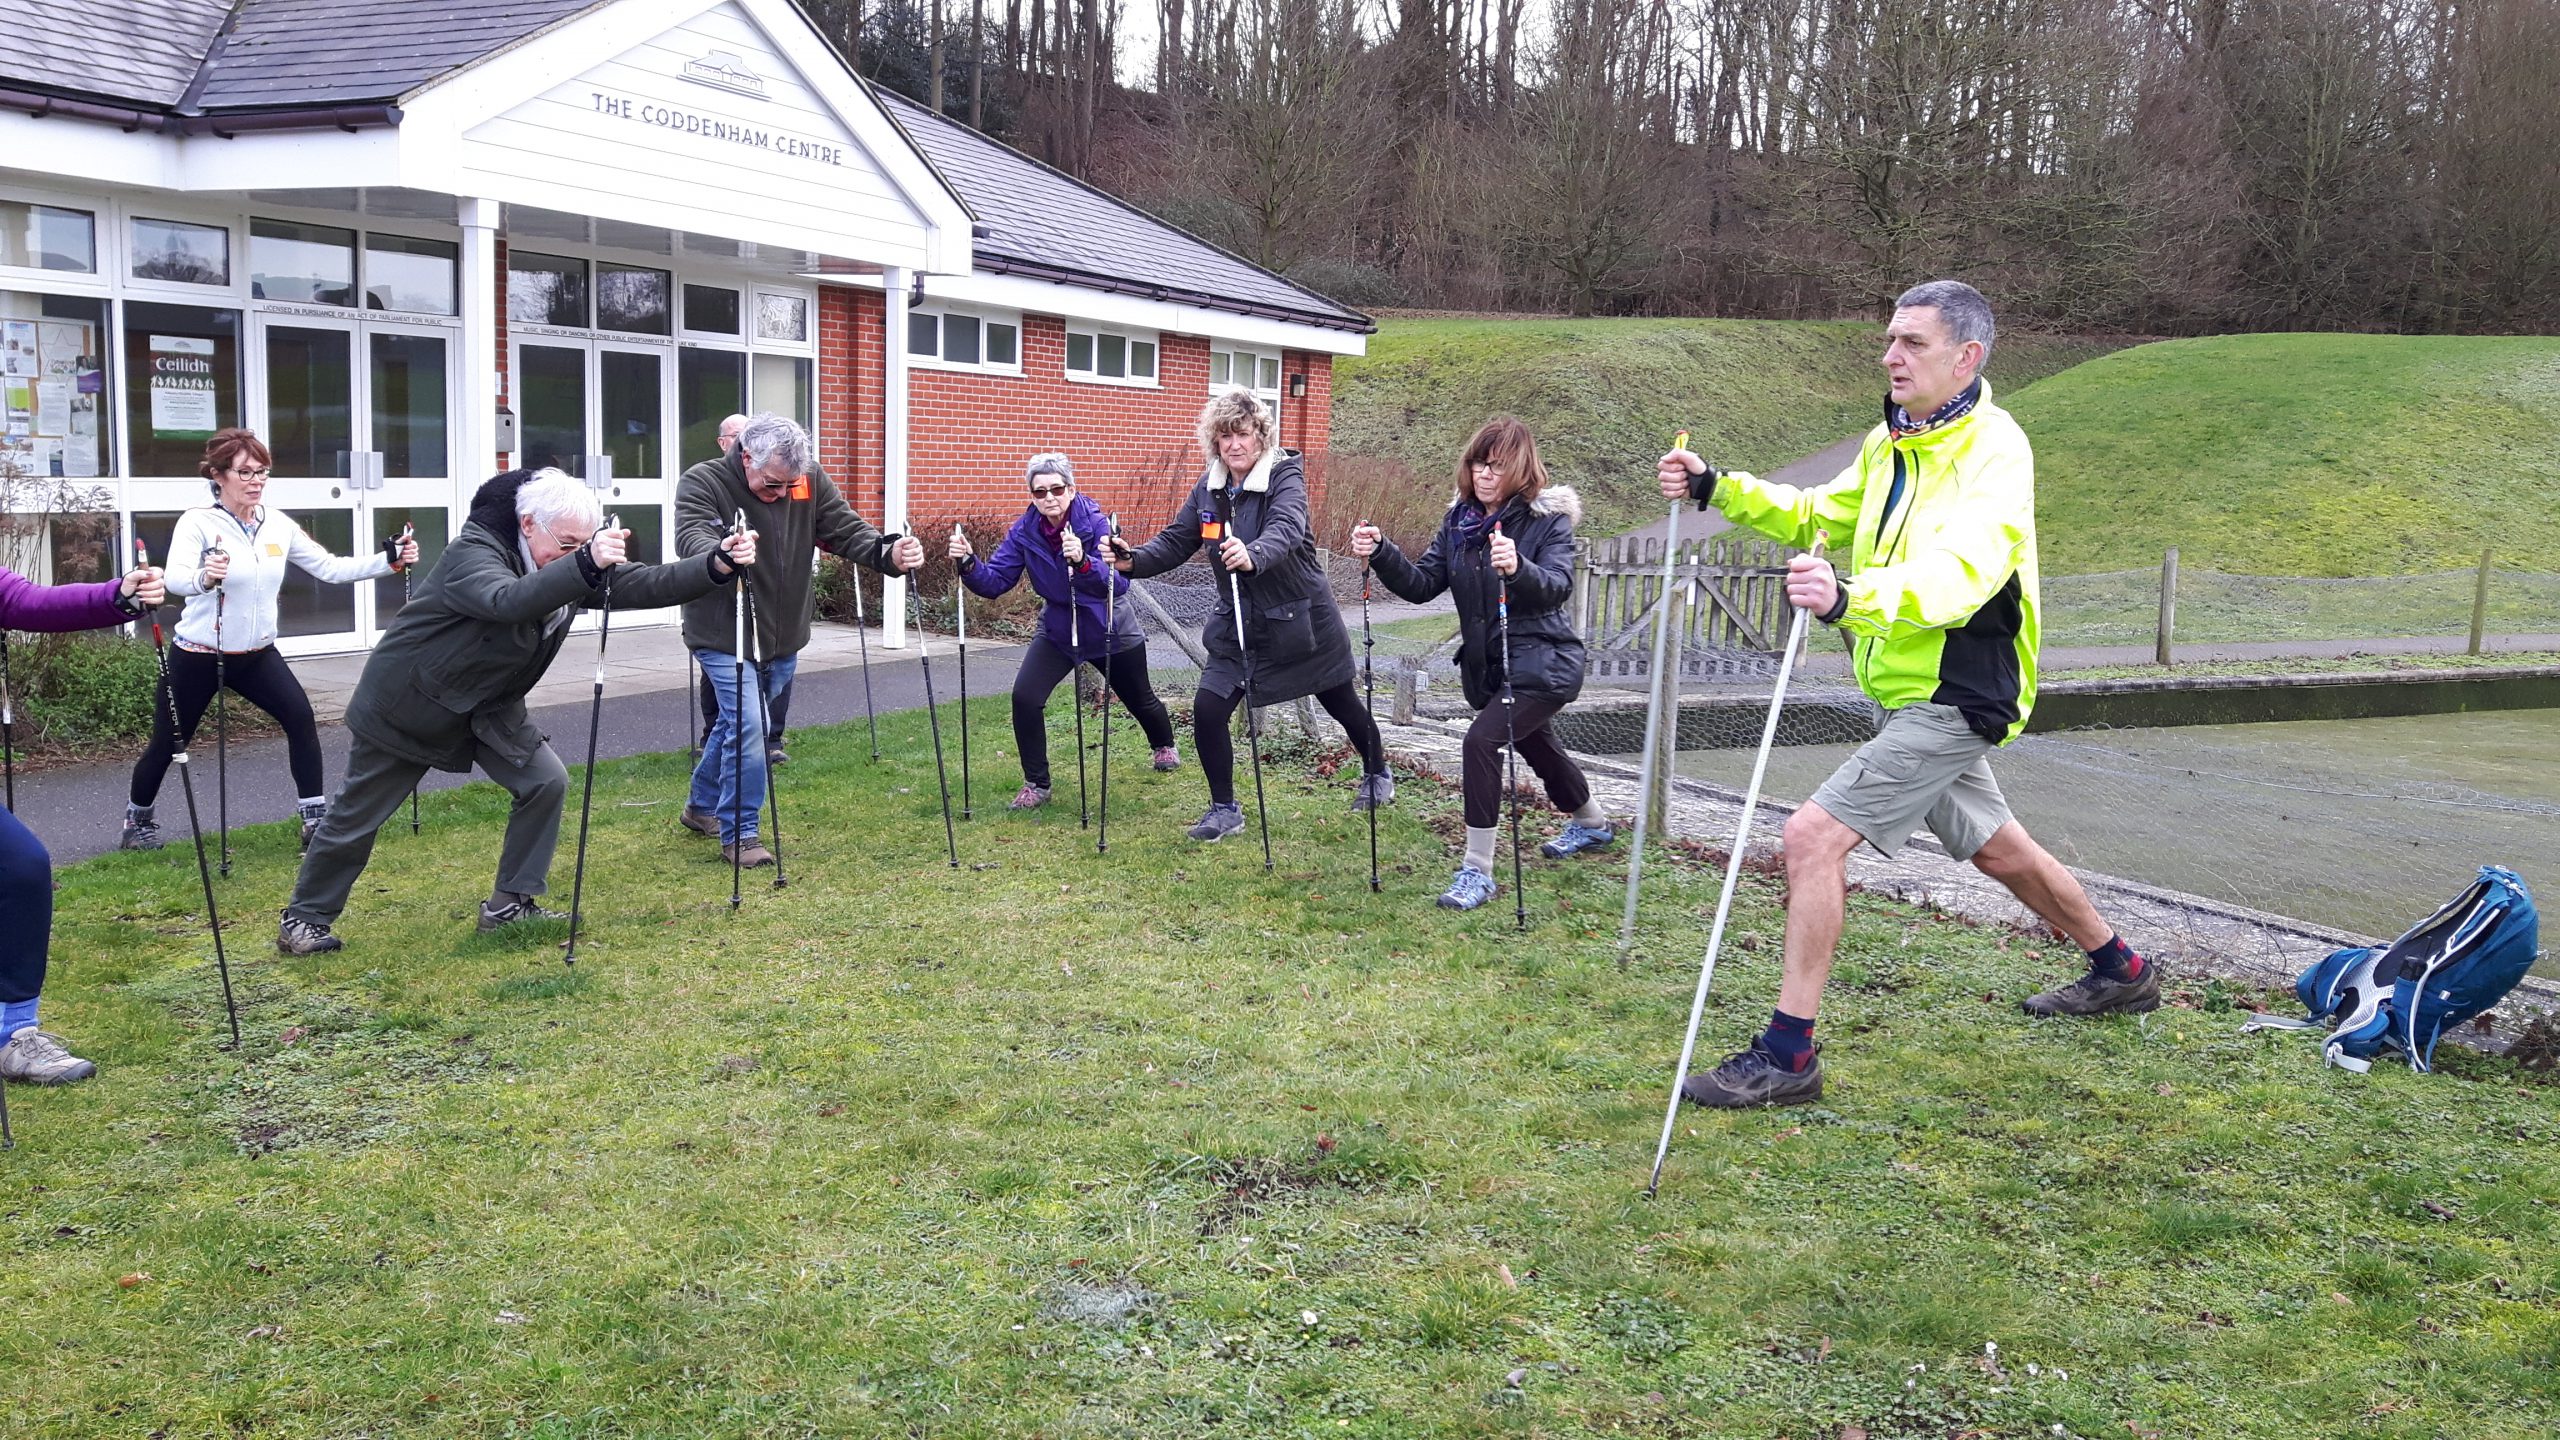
[{"x": 1507, "y": 526}]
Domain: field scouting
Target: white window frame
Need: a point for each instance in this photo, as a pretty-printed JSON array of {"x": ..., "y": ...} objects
[
  {"x": 1096, "y": 333},
  {"x": 747, "y": 320},
  {"x": 724, "y": 339},
  {"x": 105, "y": 244},
  {"x": 939, "y": 311}
]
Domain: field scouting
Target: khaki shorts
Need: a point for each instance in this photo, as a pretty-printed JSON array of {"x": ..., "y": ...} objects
[{"x": 1926, "y": 767}]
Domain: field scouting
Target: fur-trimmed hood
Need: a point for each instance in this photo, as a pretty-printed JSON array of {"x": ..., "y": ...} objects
[{"x": 1559, "y": 500}]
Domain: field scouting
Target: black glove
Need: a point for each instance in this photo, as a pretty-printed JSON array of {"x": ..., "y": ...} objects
[
  {"x": 391, "y": 551},
  {"x": 1702, "y": 487}
]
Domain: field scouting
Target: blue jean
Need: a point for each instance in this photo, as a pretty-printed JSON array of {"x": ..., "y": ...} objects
[
  {"x": 722, "y": 775},
  {"x": 26, "y": 898}
]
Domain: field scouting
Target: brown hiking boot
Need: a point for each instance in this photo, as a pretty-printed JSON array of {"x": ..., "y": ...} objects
[
  {"x": 2096, "y": 994},
  {"x": 700, "y": 822},
  {"x": 754, "y": 856}
]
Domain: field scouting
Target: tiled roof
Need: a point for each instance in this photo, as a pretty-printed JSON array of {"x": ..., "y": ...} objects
[
  {"x": 143, "y": 52},
  {"x": 324, "y": 52},
  {"x": 1043, "y": 222}
]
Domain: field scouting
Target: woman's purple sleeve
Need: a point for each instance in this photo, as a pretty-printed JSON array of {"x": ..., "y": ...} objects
[{"x": 25, "y": 605}]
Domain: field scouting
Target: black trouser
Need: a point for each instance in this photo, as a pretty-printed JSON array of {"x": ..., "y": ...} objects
[
  {"x": 777, "y": 708},
  {"x": 1567, "y": 790},
  {"x": 258, "y": 676},
  {"x": 1043, "y": 666},
  {"x": 1212, "y": 713}
]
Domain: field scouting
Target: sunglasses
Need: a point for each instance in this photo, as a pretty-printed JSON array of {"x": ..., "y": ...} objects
[{"x": 1043, "y": 492}]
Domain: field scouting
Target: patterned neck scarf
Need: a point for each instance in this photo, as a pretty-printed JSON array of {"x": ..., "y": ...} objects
[{"x": 1954, "y": 410}]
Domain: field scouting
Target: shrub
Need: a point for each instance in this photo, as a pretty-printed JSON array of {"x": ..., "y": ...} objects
[{"x": 84, "y": 688}]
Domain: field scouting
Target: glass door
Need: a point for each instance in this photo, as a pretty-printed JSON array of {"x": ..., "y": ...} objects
[
  {"x": 601, "y": 410},
  {"x": 409, "y": 471},
  {"x": 309, "y": 393}
]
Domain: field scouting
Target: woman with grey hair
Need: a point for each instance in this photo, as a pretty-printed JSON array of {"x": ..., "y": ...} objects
[
  {"x": 1057, "y": 544},
  {"x": 1250, "y": 509}
]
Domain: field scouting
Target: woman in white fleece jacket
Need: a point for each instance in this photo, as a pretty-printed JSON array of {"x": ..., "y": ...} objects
[{"x": 229, "y": 560}]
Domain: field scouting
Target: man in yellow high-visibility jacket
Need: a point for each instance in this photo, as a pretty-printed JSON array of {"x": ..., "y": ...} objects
[{"x": 1939, "y": 599}]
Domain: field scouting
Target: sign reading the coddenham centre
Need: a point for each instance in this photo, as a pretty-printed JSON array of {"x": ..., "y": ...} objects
[{"x": 694, "y": 122}]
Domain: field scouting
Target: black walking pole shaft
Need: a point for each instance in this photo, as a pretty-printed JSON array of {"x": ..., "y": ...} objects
[
  {"x": 221, "y": 738},
  {"x": 764, "y": 728},
  {"x": 1226, "y": 518},
  {"x": 960, "y": 627},
  {"x": 933, "y": 715},
  {"x": 1075, "y": 696},
  {"x": 738, "y": 739},
  {"x": 1369, "y": 679},
  {"x": 195, "y": 822},
  {"x": 587, "y": 797},
  {"x": 8, "y": 725},
  {"x": 1511, "y": 743},
  {"x": 1110, "y": 628},
  {"x": 862, "y": 637}
]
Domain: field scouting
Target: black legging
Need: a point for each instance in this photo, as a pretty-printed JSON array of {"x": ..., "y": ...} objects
[
  {"x": 1481, "y": 759},
  {"x": 258, "y": 676},
  {"x": 1212, "y": 713},
  {"x": 1043, "y": 666}
]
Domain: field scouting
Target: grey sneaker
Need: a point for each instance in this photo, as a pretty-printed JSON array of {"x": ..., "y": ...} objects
[
  {"x": 36, "y": 1058},
  {"x": 517, "y": 910},
  {"x": 776, "y": 755},
  {"x": 1166, "y": 760},
  {"x": 312, "y": 814},
  {"x": 1469, "y": 888},
  {"x": 298, "y": 936},
  {"x": 141, "y": 831},
  {"x": 1376, "y": 792},
  {"x": 1754, "y": 1077},
  {"x": 1221, "y": 822},
  {"x": 2096, "y": 994},
  {"x": 1577, "y": 837},
  {"x": 1029, "y": 797}
]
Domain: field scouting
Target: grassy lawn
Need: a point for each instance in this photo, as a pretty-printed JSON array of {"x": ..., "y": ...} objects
[
  {"x": 2299, "y": 454},
  {"x": 2123, "y": 607},
  {"x": 1605, "y": 396},
  {"x": 1159, "y": 1145}
]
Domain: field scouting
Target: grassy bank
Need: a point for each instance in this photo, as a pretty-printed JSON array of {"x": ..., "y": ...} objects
[
  {"x": 1160, "y": 1145},
  {"x": 1605, "y": 396}
]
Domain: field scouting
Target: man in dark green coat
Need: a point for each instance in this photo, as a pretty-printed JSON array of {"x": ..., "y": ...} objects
[
  {"x": 795, "y": 511},
  {"x": 445, "y": 688}
]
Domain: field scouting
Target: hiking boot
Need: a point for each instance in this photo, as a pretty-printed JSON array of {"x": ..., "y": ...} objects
[
  {"x": 1221, "y": 822},
  {"x": 1469, "y": 888},
  {"x": 2096, "y": 994},
  {"x": 700, "y": 822},
  {"x": 748, "y": 854},
  {"x": 312, "y": 814},
  {"x": 1166, "y": 760},
  {"x": 141, "y": 832},
  {"x": 776, "y": 755},
  {"x": 1577, "y": 837},
  {"x": 37, "y": 1058},
  {"x": 305, "y": 937},
  {"x": 1029, "y": 797},
  {"x": 1376, "y": 792},
  {"x": 514, "y": 910},
  {"x": 1754, "y": 1077}
]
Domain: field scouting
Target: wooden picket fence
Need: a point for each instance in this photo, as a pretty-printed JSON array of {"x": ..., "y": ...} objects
[{"x": 1728, "y": 594}]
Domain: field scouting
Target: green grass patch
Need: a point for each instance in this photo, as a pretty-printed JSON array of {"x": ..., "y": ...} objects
[
  {"x": 1606, "y": 395},
  {"x": 2313, "y": 665},
  {"x": 2334, "y": 455},
  {"x": 1158, "y": 1144}
]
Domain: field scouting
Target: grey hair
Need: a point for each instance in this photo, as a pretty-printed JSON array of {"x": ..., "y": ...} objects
[
  {"x": 1049, "y": 462},
  {"x": 1233, "y": 411},
  {"x": 771, "y": 439},
  {"x": 551, "y": 496},
  {"x": 1960, "y": 308}
]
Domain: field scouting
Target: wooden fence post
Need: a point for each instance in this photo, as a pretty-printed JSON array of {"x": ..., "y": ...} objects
[
  {"x": 2168, "y": 605},
  {"x": 1657, "y": 800},
  {"x": 2480, "y": 603}
]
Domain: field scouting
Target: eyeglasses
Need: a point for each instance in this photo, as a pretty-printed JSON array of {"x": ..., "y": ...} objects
[
  {"x": 248, "y": 473},
  {"x": 1043, "y": 492}
]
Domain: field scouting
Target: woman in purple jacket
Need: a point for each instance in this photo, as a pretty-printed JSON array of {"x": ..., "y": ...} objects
[
  {"x": 26, "y": 871},
  {"x": 1056, "y": 543}
]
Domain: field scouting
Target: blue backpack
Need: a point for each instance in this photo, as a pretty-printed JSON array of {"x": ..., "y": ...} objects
[{"x": 2402, "y": 998}]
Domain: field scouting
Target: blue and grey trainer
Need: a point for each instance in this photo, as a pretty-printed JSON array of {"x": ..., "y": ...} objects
[
  {"x": 1577, "y": 837},
  {"x": 1375, "y": 792},
  {"x": 1221, "y": 822},
  {"x": 1469, "y": 888}
]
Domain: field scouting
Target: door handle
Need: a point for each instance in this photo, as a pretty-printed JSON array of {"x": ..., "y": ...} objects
[{"x": 600, "y": 472}]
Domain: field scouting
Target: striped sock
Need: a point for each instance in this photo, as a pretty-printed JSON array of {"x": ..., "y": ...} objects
[
  {"x": 1790, "y": 1040},
  {"x": 2115, "y": 960}
]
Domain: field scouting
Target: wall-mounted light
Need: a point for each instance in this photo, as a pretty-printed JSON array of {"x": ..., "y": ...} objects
[{"x": 1298, "y": 386}]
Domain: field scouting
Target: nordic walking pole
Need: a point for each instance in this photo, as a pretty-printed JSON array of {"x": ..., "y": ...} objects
[
  {"x": 587, "y": 798},
  {"x": 862, "y": 637},
  {"x": 1510, "y": 737},
  {"x": 1660, "y": 700},
  {"x": 1369, "y": 677},
  {"x": 764, "y": 727},
  {"x": 408, "y": 532},
  {"x": 1732, "y": 874},
  {"x": 8, "y": 725},
  {"x": 1075, "y": 691},
  {"x": 1110, "y": 628},
  {"x": 1223, "y": 523},
  {"x": 195, "y": 825},
  {"x": 933, "y": 714},
  {"x": 960, "y": 620},
  {"x": 738, "y": 736}
]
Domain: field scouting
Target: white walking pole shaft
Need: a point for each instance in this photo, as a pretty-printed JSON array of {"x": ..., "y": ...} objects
[{"x": 1666, "y": 695}]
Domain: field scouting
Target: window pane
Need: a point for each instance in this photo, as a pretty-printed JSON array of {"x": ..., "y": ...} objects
[
  {"x": 1004, "y": 344},
  {"x": 634, "y": 300},
  {"x": 175, "y": 250},
  {"x": 307, "y": 607},
  {"x": 1142, "y": 360},
  {"x": 1219, "y": 360},
  {"x": 782, "y": 386},
  {"x": 417, "y": 275},
  {"x": 393, "y": 591},
  {"x": 924, "y": 333},
  {"x": 550, "y": 392},
  {"x": 648, "y": 527},
  {"x": 634, "y": 413},
  {"x": 1270, "y": 373},
  {"x": 711, "y": 309},
  {"x": 1115, "y": 357},
  {"x": 408, "y": 404},
  {"x": 1080, "y": 352},
  {"x": 960, "y": 339},
  {"x": 546, "y": 290},
  {"x": 781, "y": 317},
  {"x": 53, "y": 367},
  {"x": 312, "y": 264},
  {"x": 711, "y": 386},
  {"x": 310, "y": 400},
  {"x": 182, "y": 382},
  {"x": 47, "y": 237}
]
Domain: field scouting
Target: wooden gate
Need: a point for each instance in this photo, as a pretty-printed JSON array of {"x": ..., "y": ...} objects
[{"x": 1728, "y": 594}]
